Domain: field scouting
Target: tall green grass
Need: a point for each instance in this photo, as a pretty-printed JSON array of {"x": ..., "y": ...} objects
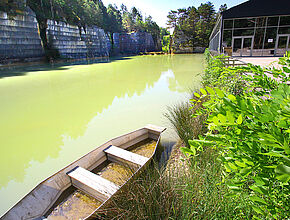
[
  {"x": 186, "y": 189},
  {"x": 149, "y": 196},
  {"x": 181, "y": 120},
  {"x": 203, "y": 193}
]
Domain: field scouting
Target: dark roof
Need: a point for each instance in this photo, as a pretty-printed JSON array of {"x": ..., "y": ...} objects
[{"x": 256, "y": 8}]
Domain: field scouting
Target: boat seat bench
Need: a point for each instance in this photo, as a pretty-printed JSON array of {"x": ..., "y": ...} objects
[
  {"x": 93, "y": 184},
  {"x": 117, "y": 154},
  {"x": 97, "y": 186}
]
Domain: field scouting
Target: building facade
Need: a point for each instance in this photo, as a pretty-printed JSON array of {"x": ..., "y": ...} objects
[{"x": 253, "y": 28}]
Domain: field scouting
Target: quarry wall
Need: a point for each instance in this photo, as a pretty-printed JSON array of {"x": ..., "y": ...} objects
[{"x": 20, "y": 40}]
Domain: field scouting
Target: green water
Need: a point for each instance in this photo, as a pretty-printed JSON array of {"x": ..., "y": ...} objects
[{"x": 49, "y": 117}]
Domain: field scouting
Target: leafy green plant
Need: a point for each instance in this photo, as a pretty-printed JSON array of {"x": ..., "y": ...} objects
[{"x": 250, "y": 130}]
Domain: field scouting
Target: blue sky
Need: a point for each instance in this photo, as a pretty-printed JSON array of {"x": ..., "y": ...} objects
[{"x": 159, "y": 9}]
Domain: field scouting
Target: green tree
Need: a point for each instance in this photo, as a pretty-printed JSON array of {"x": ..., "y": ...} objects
[
  {"x": 114, "y": 19},
  {"x": 193, "y": 26}
]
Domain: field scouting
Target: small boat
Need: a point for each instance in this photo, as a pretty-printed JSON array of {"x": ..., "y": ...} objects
[{"x": 88, "y": 177}]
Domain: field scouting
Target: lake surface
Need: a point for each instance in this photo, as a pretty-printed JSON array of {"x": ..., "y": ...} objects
[{"x": 50, "y": 116}]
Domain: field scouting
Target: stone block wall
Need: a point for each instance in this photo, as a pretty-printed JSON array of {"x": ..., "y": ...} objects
[
  {"x": 19, "y": 38},
  {"x": 133, "y": 43},
  {"x": 73, "y": 43}
]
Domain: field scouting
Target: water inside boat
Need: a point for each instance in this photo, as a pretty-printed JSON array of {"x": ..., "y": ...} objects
[
  {"x": 79, "y": 205},
  {"x": 76, "y": 206}
]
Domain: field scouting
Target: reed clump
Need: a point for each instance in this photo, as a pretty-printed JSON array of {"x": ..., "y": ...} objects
[
  {"x": 181, "y": 120},
  {"x": 151, "y": 195}
]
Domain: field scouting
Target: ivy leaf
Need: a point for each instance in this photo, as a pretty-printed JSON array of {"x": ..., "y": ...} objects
[
  {"x": 222, "y": 118},
  {"x": 284, "y": 172},
  {"x": 232, "y": 166},
  {"x": 232, "y": 97},
  {"x": 203, "y": 91},
  {"x": 248, "y": 162},
  {"x": 240, "y": 164},
  {"x": 245, "y": 171},
  {"x": 283, "y": 178},
  {"x": 259, "y": 181},
  {"x": 258, "y": 210},
  {"x": 259, "y": 189},
  {"x": 210, "y": 90},
  {"x": 240, "y": 120},
  {"x": 282, "y": 169},
  {"x": 219, "y": 92},
  {"x": 192, "y": 143},
  {"x": 196, "y": 94},
  {"x": 215, "y": 120},
  {"x": 230, "y": 117},
  {"x": 192, "y": 148},
  {"x": 185, "y": 150},
  {"x": 258, "y": 200}
]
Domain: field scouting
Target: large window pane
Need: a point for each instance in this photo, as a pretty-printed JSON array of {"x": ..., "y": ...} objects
[
  {"x": 284, "y": 30},
  {"x": 282, "y": 45},
  {"x": 244, "y": 23},
  {"x": 227, "y": 38},
  {"x": 258, "y": 42},
  {"x": 272, "y": 21},
  {"x": 228, "y": 24},
  {"x": 270, "y": 41},
  {"x": 261, "y": 22},
  {"x": 244, "y": 32},
  {"x": 284, "y": 20}
]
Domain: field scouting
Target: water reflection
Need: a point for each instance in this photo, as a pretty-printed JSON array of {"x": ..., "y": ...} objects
[{"x": 50, "y": 118}]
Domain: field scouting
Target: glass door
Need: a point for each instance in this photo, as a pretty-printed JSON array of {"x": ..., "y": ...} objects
[
  {"x": 237, "y": 46},
  {"x": 247, "y": 46},
  {"x": 282, "y": 44},
  {"x": 242, "y": 46}
]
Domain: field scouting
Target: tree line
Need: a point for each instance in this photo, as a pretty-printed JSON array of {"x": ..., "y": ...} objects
[
  {"x": 86, "y": 13},
  {"x": 194, "y": 25}
]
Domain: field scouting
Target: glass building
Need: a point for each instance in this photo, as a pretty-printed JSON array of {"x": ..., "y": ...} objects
[{"x": 253, "y": 28}]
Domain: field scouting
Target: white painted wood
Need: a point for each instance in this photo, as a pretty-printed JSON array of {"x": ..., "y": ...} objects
[
  {"x": 155, "y": 128},
  {"x": 126, "y": 155},
  {"x": 92, "y": 183}
]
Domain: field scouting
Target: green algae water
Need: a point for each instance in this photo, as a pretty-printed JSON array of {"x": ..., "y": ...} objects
[{"x": 50, "y": 116}]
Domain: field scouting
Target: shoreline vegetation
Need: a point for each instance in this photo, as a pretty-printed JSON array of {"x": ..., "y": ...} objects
[{"x": 236, "y": 166}]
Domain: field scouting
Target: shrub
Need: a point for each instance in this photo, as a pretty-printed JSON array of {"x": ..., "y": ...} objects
[{"x": 250, "y": 130}]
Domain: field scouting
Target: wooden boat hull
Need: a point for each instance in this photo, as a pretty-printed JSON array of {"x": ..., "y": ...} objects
[{"x": 37, "y": 203}]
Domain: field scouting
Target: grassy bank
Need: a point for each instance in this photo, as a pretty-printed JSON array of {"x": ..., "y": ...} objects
[{"x": 232, "y": 161}]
